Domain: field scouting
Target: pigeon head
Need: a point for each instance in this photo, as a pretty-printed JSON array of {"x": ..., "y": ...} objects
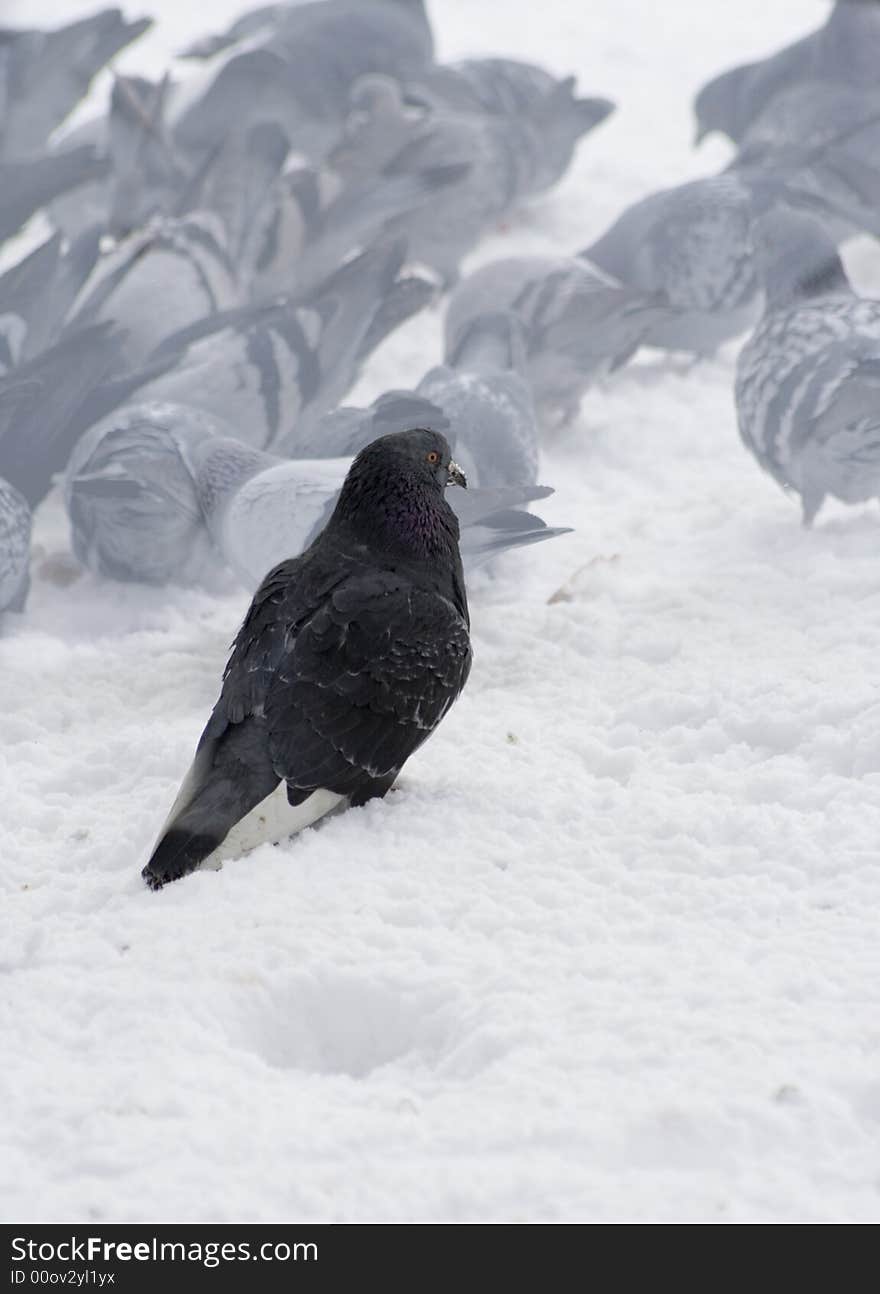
[
  {"x": 797, "y": 258},
  {"x": 393, "y": 495}
]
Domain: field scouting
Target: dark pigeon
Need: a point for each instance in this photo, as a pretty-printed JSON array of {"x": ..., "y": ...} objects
[{"x": 348, "y": 658}]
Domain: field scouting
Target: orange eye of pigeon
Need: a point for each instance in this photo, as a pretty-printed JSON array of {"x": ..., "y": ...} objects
[{"x": 433, "y": 457}]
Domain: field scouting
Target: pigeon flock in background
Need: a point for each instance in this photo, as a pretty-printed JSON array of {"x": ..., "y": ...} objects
[{"x": 230, "y": 246}]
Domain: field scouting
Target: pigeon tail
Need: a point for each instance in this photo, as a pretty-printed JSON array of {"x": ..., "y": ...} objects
[{"x": 230, "y": 776}]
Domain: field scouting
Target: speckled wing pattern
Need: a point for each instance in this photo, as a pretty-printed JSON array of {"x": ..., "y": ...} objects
[{"x": 792, "y": 371}]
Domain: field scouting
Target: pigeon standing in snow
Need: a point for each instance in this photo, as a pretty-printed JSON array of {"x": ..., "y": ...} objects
[
  {"x": 846, "y": 50},
  {"x": 15, "y": 548},
  {"x": 808, "y": 380},
  {"x": 579, "y": 323},
  {"x": 346, "y": 662}
]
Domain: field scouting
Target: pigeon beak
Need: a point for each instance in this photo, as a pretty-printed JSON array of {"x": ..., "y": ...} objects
[{"x": 455, "y": 476}]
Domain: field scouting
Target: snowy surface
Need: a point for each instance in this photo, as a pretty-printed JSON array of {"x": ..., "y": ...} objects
[{"x": 610, "y": 952}]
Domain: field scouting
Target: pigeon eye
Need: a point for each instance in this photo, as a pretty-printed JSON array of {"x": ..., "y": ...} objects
[{"x": 433, "y": 457}]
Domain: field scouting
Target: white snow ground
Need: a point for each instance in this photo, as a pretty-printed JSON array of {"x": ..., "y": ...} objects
[{"x": 610, "y": 953}]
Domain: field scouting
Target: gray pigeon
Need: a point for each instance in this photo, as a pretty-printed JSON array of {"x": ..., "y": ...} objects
[
  {"x": 845, "y": 50},
  {"x": 808, "y": 379},
  {"x": 273, "y": 370},
  {"x": 26, "y": 187},
  {"x": 392, "y": 129},
  {"x": 15, "y": 548},
  {"x": 693, "y": 245},
  {"x": 300, "y": 70},
  {"x": 261, "y": 509},
  {"x": 159, "y": 280},
  {"x": 134, "y": 513},
  {"x": 480, "y": 399},
  {"x": 550, "y": 119},
  {"x": 347, "y": 660},
  {"x": 41, "y": 402},
  {"x": 44, "y": 74},
  {"x": 386, "y": 134},
  {"x": 579, "y": 323}
]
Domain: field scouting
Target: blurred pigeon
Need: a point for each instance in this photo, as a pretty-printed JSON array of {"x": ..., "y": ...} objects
[
  {"x": 27, "y": 186},
  {"x": 808, "y": 380},
  {"x": 43, "y": 75},
  {"x": 549, "y": 117},
  {"x": 133, "y": 509},
  {"x": 812, "y": 114},
  {"x": 15, "y": 548},
  {"x": 846, "y": 50},
  {"x": 159, "y": 280},
  {"x": 273, "y": 370},
  {"x": 480, "y": 400},
  {"x": 579, "y": 323},
  {"x": 824, "y": 139},
  {"x": 348, "y": 658},
  {"x": 692, "y": 243},
  {"x": 300, "y": 71},
  {"x": 386, "y": 133},
  {"x": 310, "y": 222},
  {"x": 40, "y": 403},
  {"x": 261, "y": 509},
  {"x": 37, "y": 293}
]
